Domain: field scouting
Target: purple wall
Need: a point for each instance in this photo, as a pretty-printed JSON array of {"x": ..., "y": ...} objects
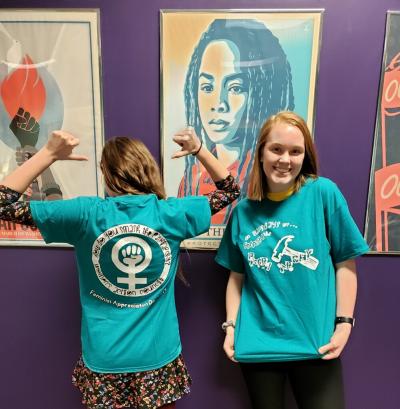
[{"x": 39, "y": 306}]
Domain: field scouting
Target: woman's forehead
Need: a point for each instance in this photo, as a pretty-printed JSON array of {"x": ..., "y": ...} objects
[
  {"x": 220, "y": 54},
  {"x": 285, "y": 134}
]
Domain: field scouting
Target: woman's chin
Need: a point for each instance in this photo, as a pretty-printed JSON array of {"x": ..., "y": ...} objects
[
  {"x": 281, "y": 183},
  {"x": 220, "y": 137}
]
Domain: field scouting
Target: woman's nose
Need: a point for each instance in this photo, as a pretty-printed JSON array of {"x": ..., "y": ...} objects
[
  {"x": 284, "y": 157},
  {"x": 222, "y": 107},
  {"x": 221, "y": 104}
]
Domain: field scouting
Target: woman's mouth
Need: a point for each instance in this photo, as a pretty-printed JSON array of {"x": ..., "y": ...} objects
[
  {"x": 282, "y": 171},
  {"x": 219, "y": 125}
]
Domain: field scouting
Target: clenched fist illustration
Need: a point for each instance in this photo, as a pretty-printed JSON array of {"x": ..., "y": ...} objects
[{"x": 132, "y": 256}]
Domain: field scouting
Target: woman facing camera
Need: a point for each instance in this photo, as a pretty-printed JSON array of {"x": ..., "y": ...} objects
[{"x": 291, "y": 293}]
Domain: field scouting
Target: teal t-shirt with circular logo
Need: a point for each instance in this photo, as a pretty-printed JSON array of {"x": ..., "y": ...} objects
[{"x": 127, "y": 250}]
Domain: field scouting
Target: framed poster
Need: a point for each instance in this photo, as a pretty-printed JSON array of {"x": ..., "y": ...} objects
[
  {"x": 49, "y": 79},
  {"x": 224, "y": 72},
  {"x": 382, "y": 222}
]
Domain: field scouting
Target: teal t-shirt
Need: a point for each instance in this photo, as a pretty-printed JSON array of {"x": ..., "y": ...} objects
[
  {"x": 287, "y": 251},
  {"x": 127, "y": 250}
]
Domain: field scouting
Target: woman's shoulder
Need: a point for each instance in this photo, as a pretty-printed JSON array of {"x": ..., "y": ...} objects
[
  {"x": 327, "y": 190},
  {"x": 184, "y": 200},
  {"x": 321, "y": 183},
  {"x": 73, "y": 201},
  {"x": 87, "y": 200},
  {"x": 185, "y": 203}
]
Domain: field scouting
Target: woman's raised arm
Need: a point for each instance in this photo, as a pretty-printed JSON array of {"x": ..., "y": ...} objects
[
  {"x": 59, "y": 147},
  {"x": 227, "y": 189}
]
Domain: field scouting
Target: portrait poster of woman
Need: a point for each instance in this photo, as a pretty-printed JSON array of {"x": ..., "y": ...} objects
[
  {"x": 49, "y": 80},
  {"x": 224, "y": 73}
]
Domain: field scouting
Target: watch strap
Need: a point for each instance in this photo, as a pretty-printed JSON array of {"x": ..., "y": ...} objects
[{"x": 348, "y": 320}]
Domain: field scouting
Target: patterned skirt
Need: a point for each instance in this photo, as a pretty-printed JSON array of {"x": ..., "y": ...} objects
[{"x": 139, "y": 390}]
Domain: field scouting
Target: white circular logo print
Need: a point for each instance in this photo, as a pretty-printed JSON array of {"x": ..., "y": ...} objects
[{"x": 131, "y": 255}]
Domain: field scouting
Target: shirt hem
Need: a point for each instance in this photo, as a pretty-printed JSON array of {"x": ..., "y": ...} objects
[
  {"x": 223, "y": 264},
  {"x": 131, "y": 369},
  {"x": 277, "y": 359}
]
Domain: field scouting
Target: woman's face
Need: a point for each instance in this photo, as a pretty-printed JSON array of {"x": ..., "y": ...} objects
[
  {"x": 222, "y": 92},
  {"x": 283, "y": 156}
]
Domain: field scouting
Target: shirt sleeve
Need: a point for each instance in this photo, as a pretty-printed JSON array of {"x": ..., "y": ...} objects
[
  {"x": 13, "y": 210},
  {"x": 343, "y": 234},
  {"x": 227, "y": 191},
  {"x": 61, "y": 221},
  {"x": 229, "y": 254},
  {"x": 197, "y": 215}
]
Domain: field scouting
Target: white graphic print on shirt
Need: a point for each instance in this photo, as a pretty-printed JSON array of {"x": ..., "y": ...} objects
[
  {"x": 283, "y": 253},
  {"x": 131, "y": 255}
]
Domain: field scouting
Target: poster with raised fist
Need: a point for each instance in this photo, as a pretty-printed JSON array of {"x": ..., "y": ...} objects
[{"x": 49, "y": 80}]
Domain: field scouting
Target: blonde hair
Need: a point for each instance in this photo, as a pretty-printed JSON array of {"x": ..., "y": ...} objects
[
  {"x": 258, "y": 187},
  {"x": 129, "y": 168}
]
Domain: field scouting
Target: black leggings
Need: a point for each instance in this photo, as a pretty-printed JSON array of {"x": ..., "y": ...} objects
[{"x": 316, "y": 384}]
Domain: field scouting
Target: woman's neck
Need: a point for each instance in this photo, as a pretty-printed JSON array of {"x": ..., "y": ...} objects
[
  {"x": 279, "y": 196},
  {"x": 226, "y": 155}
]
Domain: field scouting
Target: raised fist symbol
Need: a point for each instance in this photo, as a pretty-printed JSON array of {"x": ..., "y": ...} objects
[
  {"x": 132, "y": 256},
  {"x": 25, "y": 128},
  {"x": 136, "y": 256}
]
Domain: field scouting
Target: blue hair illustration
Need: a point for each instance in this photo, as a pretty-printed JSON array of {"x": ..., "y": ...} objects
[{"x": 268, "y": 74}]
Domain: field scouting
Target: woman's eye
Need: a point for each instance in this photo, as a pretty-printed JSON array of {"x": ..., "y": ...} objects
[
  {"x": 276, "y": 149},
  {"x": 236, "y": 89},
  {"x": 206, "y": 87},
  {"x": 296, "y": 152}
]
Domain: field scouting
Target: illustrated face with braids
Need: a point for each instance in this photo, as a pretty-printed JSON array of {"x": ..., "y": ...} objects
[
  {"x": 238, "y": 76},
  {"x": 222, "y": 91}
]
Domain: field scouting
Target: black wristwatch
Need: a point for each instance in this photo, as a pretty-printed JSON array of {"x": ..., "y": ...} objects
[{"x": 348, "y": 320}]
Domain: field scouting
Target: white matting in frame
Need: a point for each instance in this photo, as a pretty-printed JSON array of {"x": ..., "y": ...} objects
[
  {"x": 224, "y": 72},
  {"x": 50, "y": 70}
]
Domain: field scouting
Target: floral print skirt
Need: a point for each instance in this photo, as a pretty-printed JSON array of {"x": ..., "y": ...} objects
[{"x": 139, "y": 390}]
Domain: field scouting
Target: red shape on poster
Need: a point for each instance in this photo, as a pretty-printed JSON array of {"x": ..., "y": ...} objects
[{"x": 23, "y": 87}]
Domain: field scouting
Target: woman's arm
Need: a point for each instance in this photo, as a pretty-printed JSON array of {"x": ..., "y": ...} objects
[
  {"x": 59, "y": 147},
  {"x": 227, "y": 189},
  {"x": 233, "y": 298},
  {"x": 191, "y": 145},
  {"x": 12, "y": 210},
  {"x": 346, "y": 293}
]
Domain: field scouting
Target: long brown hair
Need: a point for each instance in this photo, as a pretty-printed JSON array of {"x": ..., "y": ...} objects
[
  {"x": 129, "y": 168},
  {"x": 258, "y": 188}
]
